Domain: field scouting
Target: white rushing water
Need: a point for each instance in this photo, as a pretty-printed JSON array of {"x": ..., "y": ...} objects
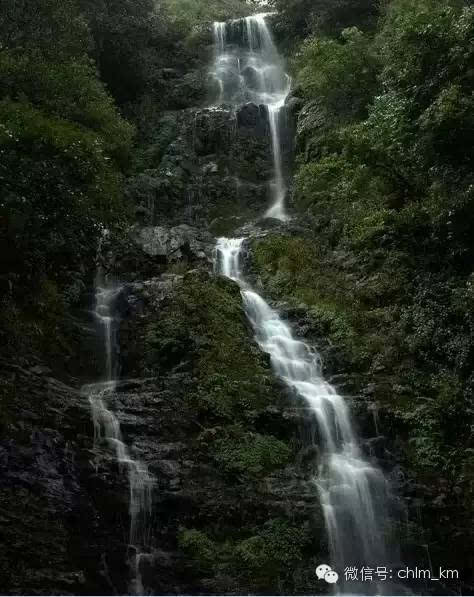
[
  {"x": 107, "y": 429},
  {"x": 351, "y": 491},
  {"x": 248, "y": 68}
]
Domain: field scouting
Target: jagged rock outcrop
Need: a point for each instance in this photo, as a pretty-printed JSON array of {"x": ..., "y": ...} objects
[
  {"x": 211, "y": 164},
  {"x": 174, "y": 244}
]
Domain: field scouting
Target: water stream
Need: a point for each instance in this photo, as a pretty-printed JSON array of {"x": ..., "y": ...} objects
[
  {"x": 107, "y": 431},
  {"x": 248, "y": 68},
  {"x": 352, "y": 492}
]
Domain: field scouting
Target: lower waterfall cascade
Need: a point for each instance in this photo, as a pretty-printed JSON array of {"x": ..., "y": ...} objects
[
  {"x": 352, "y": 492},
  {"x": 248, "y": 68},
  {"x": 107, "y": 430}
]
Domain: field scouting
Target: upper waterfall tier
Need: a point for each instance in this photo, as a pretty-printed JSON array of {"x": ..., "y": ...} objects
[
  {"x": 247, "y": 65},
  {"x": 248, "y": 68}
]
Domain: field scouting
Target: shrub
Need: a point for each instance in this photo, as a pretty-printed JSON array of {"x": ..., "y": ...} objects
[{"x": 250, "y": 454}]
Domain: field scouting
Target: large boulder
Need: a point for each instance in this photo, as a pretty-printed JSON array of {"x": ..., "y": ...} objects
[
  {"x": 254, "y": 117},
  {"x": 174, "y": 244}
]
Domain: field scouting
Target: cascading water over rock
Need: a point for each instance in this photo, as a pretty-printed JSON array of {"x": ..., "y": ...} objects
[
  {"x": 248, "y": 68},
  {"x": 352, "y": 492},
  {"x": 107, "y": 429}
]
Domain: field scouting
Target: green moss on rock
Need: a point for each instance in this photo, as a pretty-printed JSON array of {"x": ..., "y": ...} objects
[
  {"x": 242, "y": 532},
  {"x": 250, "y": 454},
  {"x": 199, "y": 547},
  {"x": 263, "y": 558},
  {"x": 203, "y": 327}
]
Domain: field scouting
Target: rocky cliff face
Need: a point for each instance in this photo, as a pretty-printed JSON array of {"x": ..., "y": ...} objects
[
  {"x": 211, "y": 169},
  {"x": 234, "y": 509},
  {"x": 220, "y": 436}
]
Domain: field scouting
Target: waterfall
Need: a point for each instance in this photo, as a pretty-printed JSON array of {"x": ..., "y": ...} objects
[
  {"x": 107, "y": 429},
  {"x": 352, "y": 492},
  {"x": 248, "y": 68}
]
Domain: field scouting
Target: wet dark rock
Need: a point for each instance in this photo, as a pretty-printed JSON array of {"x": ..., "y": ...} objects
[
  {"x": 207, "y": 164},
  {"x": 294, "y": 104},
  {"x": 52, "y": 523},
  {"x": 163, "y": 422},
  {"x": 254, "y": 117}
]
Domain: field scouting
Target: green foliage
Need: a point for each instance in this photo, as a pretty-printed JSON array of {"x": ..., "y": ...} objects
[
  {"x": 198, "y": 546},
  {"x": 58, "y": 186},
  {"x": 69, "y": 91},
  {"x": 302, "y": 18},
  {"x": 250, "y": 454},
  {"x": 425, "y": 46},
  {"x": 435, "y": 422},
  {"x": 286, "y": 263},
  {"x": 54, "y": 28},
  {"x": 187, "y": 14},
  {"x": 439, "y": 324},
  {"x": 411, "y": 146},
  {"x": 292, "y": 266},
  {"x": 63, "y": 149},
  {"x": 341, "y": 74},
  {"x": 62, "y": 83},
  {"x": 274, "y": 552},
  {"x": 206, "y": 319},
  {"x": 345, "y": 197},
  {"x": 267, "y": 556}
]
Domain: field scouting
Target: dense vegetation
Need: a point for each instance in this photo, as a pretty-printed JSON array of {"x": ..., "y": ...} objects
[
  {"x": 64, "y": 150},
  {"x": 81, "y": 83}
]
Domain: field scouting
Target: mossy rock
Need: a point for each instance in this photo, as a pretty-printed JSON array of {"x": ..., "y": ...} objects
[
  {"x": 244, "y": 458},
  {"x": 204, "y": 327},
  {"x": 249, "y": 454},
  {"x": 261, "y": 559}
]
